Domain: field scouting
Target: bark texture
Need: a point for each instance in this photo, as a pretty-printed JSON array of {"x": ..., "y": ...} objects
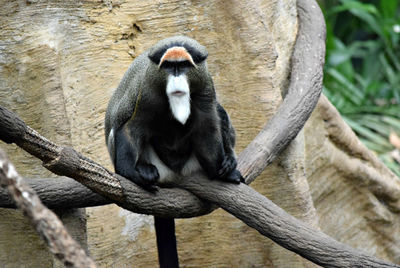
[
  {"x": 247, "y": 205},
  {"x": 46, "y": 223},
  {"x": 59, "y": 73}
]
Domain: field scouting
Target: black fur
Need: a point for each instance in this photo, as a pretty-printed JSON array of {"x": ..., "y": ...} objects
[
  {"x": 127, "y": 148},
  {"x": 198, "y": 54},
  {"x": 166, "y": 242},
  {"x": 139, "y": 116},
  {"x": 228, "y": 170},
  {"x": 211, "y": 139}
]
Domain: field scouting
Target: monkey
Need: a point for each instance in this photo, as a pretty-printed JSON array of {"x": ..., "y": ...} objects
[{"x": 164, "y": 121}]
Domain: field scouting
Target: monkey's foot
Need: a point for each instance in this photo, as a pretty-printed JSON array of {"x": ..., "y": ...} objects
[
  {"x": 148, "y": 176},
  {"x": 227, "y": 167},
  {"x": 234, "y": 177}
]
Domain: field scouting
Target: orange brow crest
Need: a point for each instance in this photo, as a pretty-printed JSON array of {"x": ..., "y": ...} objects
[{"x": 176, "y": 54}]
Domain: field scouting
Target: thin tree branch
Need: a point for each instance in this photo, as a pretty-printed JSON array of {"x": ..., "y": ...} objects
[{"x": 44, "y": 220}]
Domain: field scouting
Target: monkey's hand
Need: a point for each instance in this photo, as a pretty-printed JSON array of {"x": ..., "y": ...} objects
[
  {"x": 228, "y": 171},
  {"x": 235, "y": 177},
  {"x": 149, "y": 176}
]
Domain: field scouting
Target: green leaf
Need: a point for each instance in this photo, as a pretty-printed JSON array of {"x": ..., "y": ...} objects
[
  {"x": 349, "y": 5},
  {"x": 388, "y": 8},
  {"x": 393, "y": 57},
  {"x": 372, "y": 146},
  {"x": 392, "y": 111},
  {"x": 393, "y": 122},
  {"x": 376, "y": 125},
  {"x": 390, "y": 163},
  {"x": 351, "y": 92},
  {"x": 364, "y": 12},
  {"x": 370, "y": 135},
  {"x": 362, "y": 70}
]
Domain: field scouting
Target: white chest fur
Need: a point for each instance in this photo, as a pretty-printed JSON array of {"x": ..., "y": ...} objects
[{"x": 166, "y": 174}]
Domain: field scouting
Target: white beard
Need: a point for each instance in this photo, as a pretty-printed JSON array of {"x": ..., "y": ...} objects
[{"x": 179, "y": 97}]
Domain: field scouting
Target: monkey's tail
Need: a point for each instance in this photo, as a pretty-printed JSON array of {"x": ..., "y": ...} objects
[{"x": 166, "y": 242}]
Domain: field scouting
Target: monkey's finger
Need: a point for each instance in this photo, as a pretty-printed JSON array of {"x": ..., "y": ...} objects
[
  {"x": 234, "y": 177},
  {"x": 150, "y": 187},
  {"x": 241, "y": 178},
  {"x": 148, "y": 173}
]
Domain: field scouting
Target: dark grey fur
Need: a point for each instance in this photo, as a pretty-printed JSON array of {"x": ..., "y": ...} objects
[
  {"x": 208, "y": 133},
  {"x": 138, "y": 117}
]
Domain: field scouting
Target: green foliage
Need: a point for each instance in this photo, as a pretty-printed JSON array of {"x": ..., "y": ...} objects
[{"x": 362, "y": 71}]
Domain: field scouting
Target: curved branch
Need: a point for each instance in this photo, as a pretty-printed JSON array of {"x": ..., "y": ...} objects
[
  {"x": 254, "y": 209},
  {"x": 262, "y": 214},
  {"x": 353, "y": 154},
  {"x": 65, "y": 161},
  {"x": 302, "y": 95},
  {"x": 59, "y": 193}
]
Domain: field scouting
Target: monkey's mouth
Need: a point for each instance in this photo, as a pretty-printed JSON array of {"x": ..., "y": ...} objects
[{"x": 178, "y": 93}]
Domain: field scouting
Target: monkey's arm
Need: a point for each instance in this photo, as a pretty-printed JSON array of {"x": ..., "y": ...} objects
[
  {"x": 213, "y": 146},
  {"x": 124, "y": 100},
  {"x": 228, "y": 166},
  {"x": 129, "y": 144},
  {"x": 209, "y": 151},
  {"x": 227, "y": 131}
]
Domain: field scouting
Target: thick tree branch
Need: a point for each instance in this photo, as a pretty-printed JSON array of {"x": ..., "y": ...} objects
[
  {"x": 350, "y": 159},
  {"x": 65, "y": 161},
  {"x": 240, "y": 200},
  {"x": 298, "y": 104},
  {"x": 44, "y": 220},
  {"x": 59, "y": 193},
  {"x": 262, "y": 214}
]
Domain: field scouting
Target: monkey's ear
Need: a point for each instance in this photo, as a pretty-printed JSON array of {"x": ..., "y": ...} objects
[
  {"x": 155, "y": 55},
  {"x": 198, "y": 55},
  {"x": 196, "y": 51}
]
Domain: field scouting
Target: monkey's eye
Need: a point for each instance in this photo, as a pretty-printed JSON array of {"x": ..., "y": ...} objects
[
  {"x": 176, "y": 64},
  {"x": 176, "y": 67}
]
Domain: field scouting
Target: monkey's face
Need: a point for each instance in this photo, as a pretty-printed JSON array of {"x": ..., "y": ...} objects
[
  {"x": 180, "y": 63},
  {"x": 176, "y": 62}
]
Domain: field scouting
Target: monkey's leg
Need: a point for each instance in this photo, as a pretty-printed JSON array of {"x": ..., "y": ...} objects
[
  {"x": 228, "y": 171},
  {"x": 228, "y": 166},
  {"x": 148, "y": 172},
  {"x": 209, "y": 151},
  {"x": 128, "y": 146},
  {"x": 235, "y": 176}
]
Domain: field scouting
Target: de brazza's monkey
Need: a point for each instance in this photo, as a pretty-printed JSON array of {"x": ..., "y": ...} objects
[{"x": 164, "y": 121}]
